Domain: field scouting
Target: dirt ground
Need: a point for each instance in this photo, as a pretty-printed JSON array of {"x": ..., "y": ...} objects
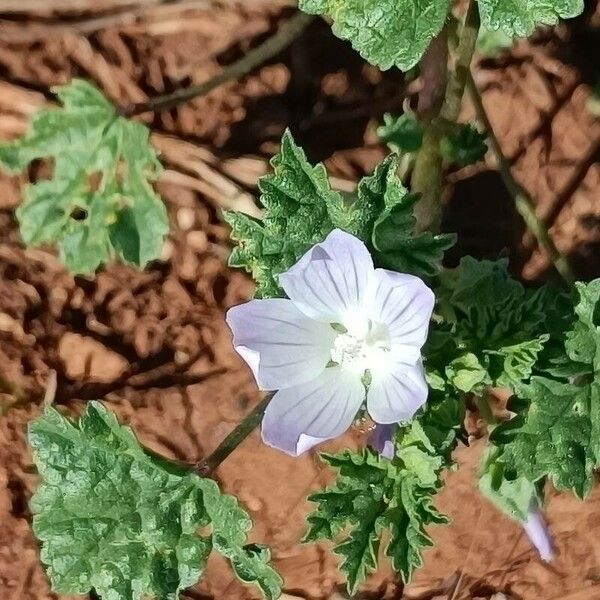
[{"x": 153, "y": 344}]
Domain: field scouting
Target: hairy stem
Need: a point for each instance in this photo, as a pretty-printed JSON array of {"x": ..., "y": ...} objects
[
  {"x": 439, "y": 102},
  {"x": 427, "y": 173},
  {"x": 234, "y": 439},
  {"x": 462, "y": 63},
  {"x": 286, "y": 34},
  {"x": 523, "y": 201}
]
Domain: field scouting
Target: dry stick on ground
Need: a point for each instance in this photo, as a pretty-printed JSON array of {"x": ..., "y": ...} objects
[
  {"x": 127, "y": 18},
  {"x": 286, "y": 34},
  {"x": 523, "y": 201}
]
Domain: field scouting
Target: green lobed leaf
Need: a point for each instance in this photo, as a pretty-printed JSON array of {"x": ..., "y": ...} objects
[
  {"x": 521, "y": 17},
  {"x": 386, "y": 33},
  {"x": 98, "y": 203},
  {"x": 115, "y": 518},
  {"x": 298, "y": 199},
  {"x": 555, "y": 439},
  {"x": 402, "y": 134},
  {"x": 373, "y": 495},
  {"x": 558, "y": 433},
  {"x": 467, "y": 374},
  {"x": 511, "y": 493},
  {"x": 493, "y": 330},
  {"x": 395, "y": 243},
  {"x": 301, "y": 209}
]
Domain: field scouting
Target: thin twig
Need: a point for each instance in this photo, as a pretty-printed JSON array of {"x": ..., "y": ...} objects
[
  {"x": 286, "y": 34},
  {"x": 523, "y": 201},
  {"x": 234, "y": 439}
]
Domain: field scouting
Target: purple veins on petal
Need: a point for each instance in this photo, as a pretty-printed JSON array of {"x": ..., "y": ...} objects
[{"x": 344, "y": 322}]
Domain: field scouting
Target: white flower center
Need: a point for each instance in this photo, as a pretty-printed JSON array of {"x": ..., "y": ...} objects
[{"x": 361, "y": 353}]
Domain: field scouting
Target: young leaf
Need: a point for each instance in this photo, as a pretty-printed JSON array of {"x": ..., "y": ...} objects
[
  {"x": 464, "y": 147},
  {"x": 387, "y": 34},
  {"x": 98, "y": 202},
  {"x": 395, "y": 243},
  {"x": 297, "y": 198},
  {"x": 301, "y": 209},
  {"x": 495, "y": 328},
  {"x": 521, "y": 17},
  {"x": 467, "y": 374},
  {"x": 373, "y": 495},
  {"x": 115, "y": 518},
  {"x": 401, "y": 134}
]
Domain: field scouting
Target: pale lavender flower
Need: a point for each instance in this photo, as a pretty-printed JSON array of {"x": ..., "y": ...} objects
[
  {"x": 382, "y": 439},
  {"x": 538, "y": 532},
  {"x": 348, "y": 333}
]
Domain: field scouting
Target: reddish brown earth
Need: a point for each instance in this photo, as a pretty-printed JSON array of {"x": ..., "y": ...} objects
[{"x": 153, "y": 344}]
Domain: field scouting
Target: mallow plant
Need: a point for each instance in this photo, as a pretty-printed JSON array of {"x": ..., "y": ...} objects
[{"x": 355, "y": 320}]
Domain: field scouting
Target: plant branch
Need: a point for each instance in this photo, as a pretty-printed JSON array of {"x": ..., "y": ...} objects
[
  {"x": 440, "y": 101},
  {"x": 523, "y": 201},
  {"x": 462, "y": 64},
  {"x": 234, "y": 439},
  {"x": 426, "y": 177},
  {"x": 286, "y": 34}
]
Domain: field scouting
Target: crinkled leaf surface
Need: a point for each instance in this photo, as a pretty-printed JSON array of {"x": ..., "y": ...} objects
[
  {"x": 511, "y": 493},
  {"x": 555, "y": 439},
  {"x": 386, "y": 33},
  {"x": 521, "y": 17},
  {"x": 301, "y": 209},
  {"x": 99, "y": 202},
  {"x": 493, "y": 329},
  {"x": 298, "y": 199},
  {"x": 115, "y": 518},
  {"x": 395, "y": 243},
  {"x": 373, "y": 495},
  {"x": 557, "y": 435}
]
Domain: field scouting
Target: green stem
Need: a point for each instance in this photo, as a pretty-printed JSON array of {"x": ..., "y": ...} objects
[
  {"x": 442, "y": 94},
  {"x": 426, "y": 177},
  {"x": 286, "y": 34},
  {"x": 234, "y": 439},
  {"x": 462, "y": 64},
  {"x": 523, "y": 201}
]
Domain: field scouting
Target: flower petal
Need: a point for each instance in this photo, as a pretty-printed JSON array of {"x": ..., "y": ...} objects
[
  {"x": 331, "y": 281},
  {"x": 298, "y": 418},
  {"x": 394, "y": 396},
  {"x": 382, "y": 439},
  {"x": 404, "y": 303},
  {"x": 281, "y": 345},
  {"x": 538, "y": 532}
]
